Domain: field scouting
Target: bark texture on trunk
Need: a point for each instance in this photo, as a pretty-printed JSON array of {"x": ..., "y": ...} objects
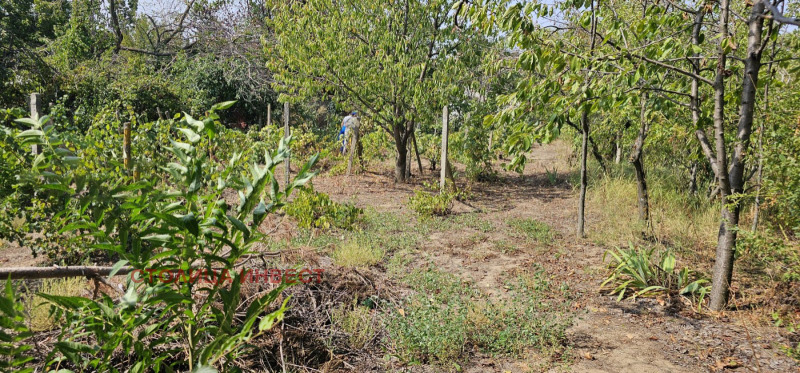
[
  {"x": 732, "y": 184},
  {"x": 400, "y": 162}
]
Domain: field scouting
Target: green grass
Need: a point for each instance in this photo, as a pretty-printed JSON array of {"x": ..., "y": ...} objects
[
  {"x": 358, "y": 252},
  {"x": 445, "y": 316},
  {"x": 533, "y": 230}
]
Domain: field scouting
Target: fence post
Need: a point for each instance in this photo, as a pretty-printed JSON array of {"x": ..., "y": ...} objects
[
  {"x": 353, "y": 149},
  {"x": 126, "y": 145},
  {"x": 286, "y": 134},
  {"x": 36, "y": 108},
  {"x": 445, "y": 120}
]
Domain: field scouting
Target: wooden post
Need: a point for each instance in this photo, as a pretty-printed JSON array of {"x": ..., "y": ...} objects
[
  {"x": 286, "y": 164},
  {"x": 416, "y": 150},
  {"x": 408, "y": 159},
  {"x": 269, "y": 114},
  {"x": 353, "y": 148},
  {"x": 126, "y": 145},
  {"x": 445, "y": 120},
  {"x": 36, "y": 108}
]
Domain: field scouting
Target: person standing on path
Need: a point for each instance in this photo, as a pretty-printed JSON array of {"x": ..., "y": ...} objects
[{"x": 350, "y": 124}]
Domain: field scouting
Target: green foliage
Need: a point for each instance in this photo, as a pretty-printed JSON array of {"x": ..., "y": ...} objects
[
  {"x": 778, "y": 258},
  {"x": 316, "y": 210},
  {"x": 182, "y": 225},
  {"x": 637, "y": 272},
  {"x": 14, "y": 352}
]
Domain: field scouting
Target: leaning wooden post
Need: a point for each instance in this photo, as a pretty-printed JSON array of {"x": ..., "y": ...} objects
[
  {"x": 416, "y": 151},
  {"x": 36, "y": 108},
  {"x": 287, "y": 165},
  {"x": 445, "y": 119},
  {"x": 353, "y": 148},
  {"x": 126, "y": 146}
]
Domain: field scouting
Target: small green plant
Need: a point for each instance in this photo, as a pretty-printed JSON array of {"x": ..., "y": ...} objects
[
  {"x": 552, "y": 176},
  {"x": 432, "y": 203},
  {"x": 357, "y": 253},
  {"x": 534, "y": 231},
  {"x": 317, "y": 210},
  {"x": 636, "y": 272},
  {"x": 357, "y": 322},
  {"x": 187, "y": 225}
]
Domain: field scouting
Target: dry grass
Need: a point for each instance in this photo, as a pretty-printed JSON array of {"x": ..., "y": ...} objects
[
  {"x": 357, "y": 253},
  {"x": 357, "y": 322},
  {"x": 676, "y": 219},
  {"x": 39, "y": 309}
]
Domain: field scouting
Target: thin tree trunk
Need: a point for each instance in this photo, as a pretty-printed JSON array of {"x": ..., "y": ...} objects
[
  {"x": 638, "y": 166},
  {"x": 585, "y": 143},
  {"x": 400, "y": 161},
  {"x": 416, "y": 151},
  {"x": 584, "y": 175},
  {"x": 733, "y": 184},
  {"x": 760, "y": 172},
  {"x": 693, "y": 179},
  {"x": 723, "y": 262}
]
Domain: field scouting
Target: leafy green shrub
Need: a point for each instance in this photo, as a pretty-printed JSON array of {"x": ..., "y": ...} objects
[
  {"x": 432, "y": 203},
  {"x": 14, "y": 353},
  {"x": 637, "y": 272},
  {"x": 184, "y": 224},
  {"x": 316, "y": 210}
]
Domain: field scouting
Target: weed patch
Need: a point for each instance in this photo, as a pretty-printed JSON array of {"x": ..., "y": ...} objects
[
  {"x": 38, "y": 308},
  {"x": 533, "y": 230},
  {"x": 316, "y": 210},
  {"x": 357, "y": 252},
  {"x": 446, "y": 318}
]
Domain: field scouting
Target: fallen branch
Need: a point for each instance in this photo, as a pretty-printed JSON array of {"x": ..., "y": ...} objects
[{"x": 30, "y": 273}]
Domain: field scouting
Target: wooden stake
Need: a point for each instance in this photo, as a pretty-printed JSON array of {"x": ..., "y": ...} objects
[
  {"x": 126, "y": 145},
  {"x": 445, "y": 120},
  {"x": 416, "y": 150},
  {"x": 269, "y": 114},
  {"x": 353, "y": 148},
  {"x": 286, "y": 134},
  {"x": 36, "y": 107}
]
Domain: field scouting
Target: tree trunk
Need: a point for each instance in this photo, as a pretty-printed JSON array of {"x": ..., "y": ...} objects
[
  {"x": 733, "y": 184},
  {"x": 416, "y": 151},
  {"x": 760, "y": 172},
  {"x": 584, "y": 175},
  {"x": 400, "y": 161},
  {"x": 693, "y": 179},
  {"x": 638, "y": 166}
]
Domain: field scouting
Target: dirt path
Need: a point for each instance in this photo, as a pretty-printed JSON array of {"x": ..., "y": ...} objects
[{"x": 607, "y": 336}]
